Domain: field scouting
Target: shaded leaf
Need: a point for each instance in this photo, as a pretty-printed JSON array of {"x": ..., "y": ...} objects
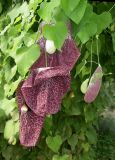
[
  {"x": 26, "y": 57},
  {"x": 54, "y": 143},
  {"x": 78, "y": 12},
  {"x": 57, "y": 33},
  {"x": 46, "y": 9}
]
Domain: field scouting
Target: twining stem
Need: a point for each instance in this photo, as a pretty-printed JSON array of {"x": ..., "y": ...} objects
[
  {"x": 46, "y": 59},
  {"x": 92, "y": 62},
  {"x": 97, "y": 49},
  {"x": 111, "y": 8},
  {"x": 91, "y": 58}
]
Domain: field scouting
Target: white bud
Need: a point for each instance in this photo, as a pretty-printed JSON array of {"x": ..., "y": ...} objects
[
  {"x": 24, "y": 109},
  {"x": 50, "y": 46}
]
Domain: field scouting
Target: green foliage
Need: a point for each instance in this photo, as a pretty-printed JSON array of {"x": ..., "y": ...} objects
[
  {"x": 72, "y": 133},
  {"x": 55, "y": 33},
  {"x": 54, "y": 143},
  {"x": 25, "y": 57}
]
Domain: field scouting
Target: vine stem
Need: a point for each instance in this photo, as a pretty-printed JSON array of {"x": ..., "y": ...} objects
[
  {"x": 92, "y": 62},
  {"x": 111, "y": 8},
  {"x": 97, "y": 48},
  {"x": 91, "y": 59},
  {"x": 46, "y": 59}
]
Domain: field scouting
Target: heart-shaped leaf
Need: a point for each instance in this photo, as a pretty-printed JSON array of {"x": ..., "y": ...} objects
[{"x": 54, "y": 143}]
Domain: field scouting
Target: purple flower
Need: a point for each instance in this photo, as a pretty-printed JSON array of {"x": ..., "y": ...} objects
[
  {"x": 43, "y": 90},
  {"x": 94, "y": 85}
]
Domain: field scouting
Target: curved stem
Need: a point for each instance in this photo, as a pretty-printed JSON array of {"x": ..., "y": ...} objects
[
  {"x": 111, "y": 8},
  {"x": 46, "y": 59},
  {"x": 91, "y": 64},
  {"x": 97, "y": 49}
]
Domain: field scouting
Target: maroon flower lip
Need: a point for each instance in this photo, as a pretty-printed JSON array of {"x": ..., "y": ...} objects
[{"x": 43, "y": 90}]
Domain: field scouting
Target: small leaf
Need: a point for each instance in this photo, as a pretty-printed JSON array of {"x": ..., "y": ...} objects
[
  {"x": 72, "y": 141},
  {"x": 11, "y": 87},
  {"x": 47, "y": 8},
  {"x": 113, "y": 40},
  {"x": 91, "y": 135},
  {"x": 86, "y": 146},
  {"x": 103, "y": 21},
  {"x": 9, "y": 129},
  {"x": 8, "y": 105},
  {"x": 26, "y": 57},
  {"x": 57, "y": 33},
  {"x": 29, "y": 39},
  {"x": 84, "y": 86},
  {"x": 89, "y": 113},
  {"x": 69, "y": 6},
  {"x": 78, "y": 12},
  {"x": 10, "y": 72},
  {"x": 0, "y": 7},
  {"x": 87, "y": 31},
  {"x": 54, "y": 143},
  {"x": 64, "y": 157},
  {"x": 79, "y": 67},
  {"x": 34, "y": 3}
]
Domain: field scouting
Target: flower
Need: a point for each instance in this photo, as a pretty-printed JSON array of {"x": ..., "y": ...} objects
[
  {"x": 94, "y": 85},
  {"x": 43, "y": 90}
]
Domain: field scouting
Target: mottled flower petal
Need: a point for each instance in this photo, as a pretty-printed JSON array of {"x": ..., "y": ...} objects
[
  {"x": 94, "y": 86},
  {"x": 67, "y": 57},
  {"x": 44, "y": 89},
  {"x": 30, "y": 128}
]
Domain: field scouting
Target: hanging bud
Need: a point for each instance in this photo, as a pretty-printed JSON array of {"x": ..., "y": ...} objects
[
  {"x": 94, "y": 85},
  {"x": 50, "y": 46},
  {"x": 24, "y": 109}
]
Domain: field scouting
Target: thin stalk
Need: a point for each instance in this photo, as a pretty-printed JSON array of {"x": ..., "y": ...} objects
[
  {"x": 46, "y": 59},
  {"x": 97, "y": 49},
  {"x": 111, "y": 8},
  {"x": 91, "y": 64}
]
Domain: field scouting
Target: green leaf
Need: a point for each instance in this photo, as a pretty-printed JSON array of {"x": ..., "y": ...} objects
[
  {"x": 14, "y": 13},
  {"x": 33, "y": 4},
  {"x": 3, "y": 43},
  {"x": 54, "y": 143},
  {"x": 86, "y": 146},
  {"x": 23, "y": 9},
  {"x": 25, "y": 57},
  {"x": 87, "y": 31},
  {"x": 113, "y": 40},
  {"x": 79, "y": 67},
  {"x": 74, "y": 110},
  {"x": 9, "y": 129},
  {"x": 64, "y": 157},
  {"x": 87, "y": 15},
  {"x": 0, "y": 7},
  {"x": 2, "y": 114},
  {"x": 72, "y": 141},
  {"x": 11, "y": 87},
  {"x": 16, "y": 128},
  {"x": 91, "y": 135},
  {"x": 103, "y": 21},
  {"x": 29, "y": 39},
  {"x": 10, "y": 72},
  {"x": 78, "y": 12},
  {"x": 59, "y": 15},
  {"x": 48, "y": 124},
  {"x": 89, "y": 113},
  {"x": 69, "y": 6},
  {"x": 57, "y": 33},
  {"x": 84, "y": 86},
  {"x": 8, "y": 105},
  {"x": 47, "y": 8}
]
